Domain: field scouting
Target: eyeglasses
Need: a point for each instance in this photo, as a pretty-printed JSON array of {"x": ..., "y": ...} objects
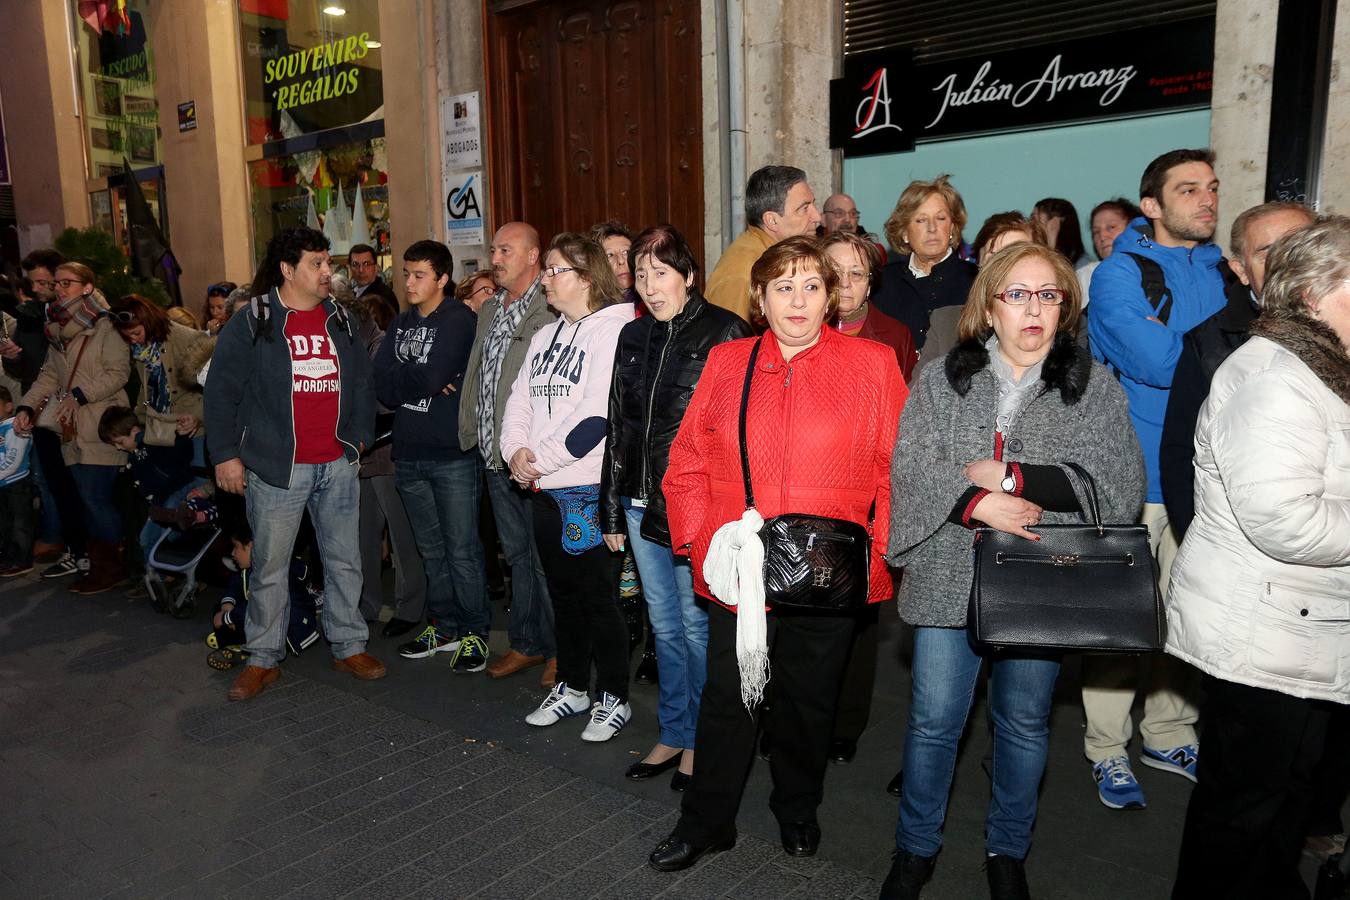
[
  {"x": 852, "y": 276},
  {"x": 43, "y": 282},
  {"x": 67, "y": 282},
  {"x": 487, "y": 287},
  {"x": 846, "y": 213},
  {"x": 124, "y": 317},
  {"x": 362, "y": 265},
  {"x": 555, "y": 271},
  {"x": 1022, "y": 296}
]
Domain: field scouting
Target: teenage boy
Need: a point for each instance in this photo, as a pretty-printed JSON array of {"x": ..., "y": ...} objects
[
  {"x": 419, "y": 373},
  {"x": 289, "y": 407},
  {"x": 17, "y": 518}
]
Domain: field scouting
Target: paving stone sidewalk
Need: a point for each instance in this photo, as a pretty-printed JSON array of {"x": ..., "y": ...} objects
[{"x": 126, "y": 774}]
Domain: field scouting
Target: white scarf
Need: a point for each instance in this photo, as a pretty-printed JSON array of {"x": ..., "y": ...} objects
[{"x": 734, "y": 571}]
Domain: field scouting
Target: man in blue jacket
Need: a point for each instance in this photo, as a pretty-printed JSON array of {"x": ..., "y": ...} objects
[
  {"x": 289, "y": 408},
  {"x": 419, "y": 373},
  {"x": 1160, "y": 281}
]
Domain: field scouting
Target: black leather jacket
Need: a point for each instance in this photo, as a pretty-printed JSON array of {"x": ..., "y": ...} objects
[{"x": 656, "y": 367}]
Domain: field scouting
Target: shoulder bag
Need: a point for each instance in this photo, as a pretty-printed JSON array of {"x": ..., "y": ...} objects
[
  {"x": 45, "y": 414},
  {"x": 1088, "y": 587},
  {"x": 810, "y": 562}
]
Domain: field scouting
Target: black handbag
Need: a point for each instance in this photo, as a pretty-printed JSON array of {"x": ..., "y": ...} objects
[
  {"x": 810, "y": 562},
  {"x": 1088, "y": 587}
]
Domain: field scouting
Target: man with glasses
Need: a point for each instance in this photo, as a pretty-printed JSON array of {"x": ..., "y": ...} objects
[
  {"x": 366, "y": 276},
  {"x": 840, "y": 213},
  {"x": 506, "y": 324}
]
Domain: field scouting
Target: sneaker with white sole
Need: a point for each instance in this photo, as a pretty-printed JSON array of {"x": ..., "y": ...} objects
[
  {"x": 67, "y": 565},
  {"x": 471, "y": 656},
  {"x": 562, "y": 702},
  {"x": 1117, "y": 787},
  {"x": 428, "y": 643},
  {"x": 608, "y": 716},
  {"x": 1179, "y": 760}
]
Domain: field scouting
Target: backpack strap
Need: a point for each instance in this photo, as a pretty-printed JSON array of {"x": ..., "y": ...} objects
[
  {"x": 261, "y": 307},
  {"x": 1155, "y": 286},
  {"x": 345, "y": 321}
]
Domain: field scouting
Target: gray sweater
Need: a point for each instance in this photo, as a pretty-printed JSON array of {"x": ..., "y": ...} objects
[{"x": 1079, "y": 415}]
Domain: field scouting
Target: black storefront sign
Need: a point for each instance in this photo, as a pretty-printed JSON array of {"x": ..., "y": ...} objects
[{"x": 1145, "y": 70}]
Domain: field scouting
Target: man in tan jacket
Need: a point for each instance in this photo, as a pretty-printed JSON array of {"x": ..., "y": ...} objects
[{"x": 778, "y": 204}]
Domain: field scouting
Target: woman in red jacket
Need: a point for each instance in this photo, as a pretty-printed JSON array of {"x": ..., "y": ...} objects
[
  {"x": 858, "y": 263},
  {"x": 820, "y": 426}
]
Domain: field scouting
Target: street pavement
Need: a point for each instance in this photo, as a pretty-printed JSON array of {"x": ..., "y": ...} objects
[{"x": 125, "y": 773}]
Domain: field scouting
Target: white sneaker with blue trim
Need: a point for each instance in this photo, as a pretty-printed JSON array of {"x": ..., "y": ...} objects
[
  {"x": 562, "y": 702},
  {"x": 608, "y": 716}
]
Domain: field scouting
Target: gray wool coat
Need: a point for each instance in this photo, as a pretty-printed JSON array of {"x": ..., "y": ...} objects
[{"x": 1079, "y": 415}]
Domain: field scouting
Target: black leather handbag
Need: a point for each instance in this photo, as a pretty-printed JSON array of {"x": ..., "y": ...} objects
[
  {"x": 810, "y": 562},
  {"x": 1088, "y": 587}
]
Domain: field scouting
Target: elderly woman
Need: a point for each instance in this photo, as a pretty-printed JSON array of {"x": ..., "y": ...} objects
[
  {"x": 821, "y": 411},
  {"x": 615, "y": 239},
  {"x": 475, "y": 288},
  {"x": 1260, "y": 593},
  {"x": 929, "y": 277},
  {"x": 858, "y": 263},
  {"x": 84, "y": 374},
  {"x": 660, "y": 358},
  {"x": 553, "y": 439},
  {"x": 985, "y": 435}
]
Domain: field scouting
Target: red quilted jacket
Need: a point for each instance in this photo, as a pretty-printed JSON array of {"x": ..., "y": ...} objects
[{"x": 820, "y": 430}]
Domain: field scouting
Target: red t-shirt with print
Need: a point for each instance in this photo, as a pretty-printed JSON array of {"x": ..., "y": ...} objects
[{"x": 315, "y": 386}]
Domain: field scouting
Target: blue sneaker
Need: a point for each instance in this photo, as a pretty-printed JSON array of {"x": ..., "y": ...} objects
[
  {"x": 1179, "y": 760},
  {"x": 1117, "y": 787}
]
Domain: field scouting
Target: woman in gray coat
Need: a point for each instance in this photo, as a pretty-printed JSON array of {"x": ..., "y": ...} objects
[{"x": 981, "y": 440}]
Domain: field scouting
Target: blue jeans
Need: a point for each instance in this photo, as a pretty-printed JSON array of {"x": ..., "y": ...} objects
[
  {"x": 49, "y": 523},
  {"x": 946, "y": 669},
  {"x": 532, "y": 629},
  {"x": 95, "y": 486},
  {"x": 152, "y": 530},
  {"x": 680, "y": 627},
  {"x": 441, "y": 499},
  {"x": 331, "y": 494}
]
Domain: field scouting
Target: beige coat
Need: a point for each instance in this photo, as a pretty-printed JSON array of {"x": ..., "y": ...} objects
[
  {"x": 180, "y": 358},
  {"x": 101, "y": 377}
]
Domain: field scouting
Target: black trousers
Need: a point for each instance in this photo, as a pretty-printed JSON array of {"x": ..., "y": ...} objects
[
  {"x": 587, "y": 620},
  {"x": 807, "y": 653},
  {"x": 18, "y": 522},
  {"x": 1250, "y": 808},
  {"x": 61, "y": 483},
  {"x": 1331, "y": 778},
  {"x": 860, "y": 675}
]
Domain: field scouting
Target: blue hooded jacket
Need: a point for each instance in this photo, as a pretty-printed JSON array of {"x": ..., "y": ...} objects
[{"x": 1141, "y": 352}]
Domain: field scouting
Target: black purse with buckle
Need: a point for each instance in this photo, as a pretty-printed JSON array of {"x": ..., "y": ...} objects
[
  {"x": 1089, "y": 587},
  {"x": 810, "y": 562}
]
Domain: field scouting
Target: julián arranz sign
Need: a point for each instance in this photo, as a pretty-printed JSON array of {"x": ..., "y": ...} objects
[{"x": 883, "y": 104}]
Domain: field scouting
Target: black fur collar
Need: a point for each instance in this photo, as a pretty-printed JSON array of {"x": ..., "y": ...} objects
[
  {"x": 1311, "y": 341},
  {"x": 1066, "y": 368}
]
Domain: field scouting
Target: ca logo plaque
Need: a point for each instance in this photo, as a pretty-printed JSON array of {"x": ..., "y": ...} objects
[
  {"x": 463, "y": 201},
  {"x": 879, "y": 100}
]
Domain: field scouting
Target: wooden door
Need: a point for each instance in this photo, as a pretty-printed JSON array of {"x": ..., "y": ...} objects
[{"x": 596, "y": 113}]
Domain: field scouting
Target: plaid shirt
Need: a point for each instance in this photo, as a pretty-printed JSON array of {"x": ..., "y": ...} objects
[{"x": 505, "y": 322}]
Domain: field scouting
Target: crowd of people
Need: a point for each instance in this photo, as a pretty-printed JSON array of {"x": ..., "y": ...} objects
[{"x": 817, "y": 428}]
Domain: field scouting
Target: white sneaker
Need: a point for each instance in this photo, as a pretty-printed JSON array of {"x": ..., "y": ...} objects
[
  {"x": 608, "y": 716},
  {"x": 560, "y": 703}
]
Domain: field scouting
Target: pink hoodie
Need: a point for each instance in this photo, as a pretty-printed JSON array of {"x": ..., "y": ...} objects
[{"x": 559, "y": 403}]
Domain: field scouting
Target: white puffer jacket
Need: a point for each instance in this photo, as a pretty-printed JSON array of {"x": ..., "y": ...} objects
[{"x": 1260, "y": 591}]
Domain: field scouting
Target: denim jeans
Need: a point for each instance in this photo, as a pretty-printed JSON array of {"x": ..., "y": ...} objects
[
  {"x": 680, "y": 627},
  {"x": 946, "y": 669},
  {"x": 95, "y": 486},
  {"x": 331, "y": 494},
  {"x": 152, "y": 530},
  {"x": 441, "y": 499},
  {"x": 49, "y": 521},
  {"x": 532, "y": 626}
]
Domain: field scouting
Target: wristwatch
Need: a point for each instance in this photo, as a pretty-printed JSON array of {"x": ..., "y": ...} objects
[{"x": 1008, "y": 483}]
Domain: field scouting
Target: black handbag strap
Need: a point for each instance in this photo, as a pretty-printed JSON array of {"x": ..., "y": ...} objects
[
  {"x": 1090, "y": 491},
  {"x": 745, "y": 404}
]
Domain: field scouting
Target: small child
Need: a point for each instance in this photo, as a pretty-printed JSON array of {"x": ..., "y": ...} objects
[
  {"x": 18, "y": 520},
  {"x": 228, "y": 637},
  {"x": 163, "y": 475}
]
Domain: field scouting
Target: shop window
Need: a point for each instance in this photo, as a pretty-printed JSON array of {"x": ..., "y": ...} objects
[
  {"x": 309, "y": 66},
  {"x": 342, "y": 191},
  {"x": 117, "y": 92}
]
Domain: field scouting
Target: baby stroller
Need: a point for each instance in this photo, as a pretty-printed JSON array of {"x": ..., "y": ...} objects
[{"x": 178, "y": 552}]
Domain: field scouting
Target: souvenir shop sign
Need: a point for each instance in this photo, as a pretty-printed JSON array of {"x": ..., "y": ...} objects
[{"x": 1144, "y": 70}]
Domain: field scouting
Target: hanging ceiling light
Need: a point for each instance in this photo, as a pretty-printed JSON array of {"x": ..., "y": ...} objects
[{"x": 334, "y": 11}]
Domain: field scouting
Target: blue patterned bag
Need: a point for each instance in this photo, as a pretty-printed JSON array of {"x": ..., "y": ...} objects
[{"x": 580, "y": 511}]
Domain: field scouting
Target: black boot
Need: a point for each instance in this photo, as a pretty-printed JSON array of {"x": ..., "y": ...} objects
[
  {"x": 1007, "y": 878},
  {"x": 909, "y": 873}
]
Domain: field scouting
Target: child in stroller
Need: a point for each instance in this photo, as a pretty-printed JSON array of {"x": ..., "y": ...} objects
[{"x": 227, "y": 639}]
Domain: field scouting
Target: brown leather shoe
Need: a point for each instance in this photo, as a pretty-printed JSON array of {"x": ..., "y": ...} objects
[
  {"x": 251, "y": 682},
  {"x": 550, "y": 677},
  {"x": 362, "y": 665},
  {"x": 512, "y": 662}
]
